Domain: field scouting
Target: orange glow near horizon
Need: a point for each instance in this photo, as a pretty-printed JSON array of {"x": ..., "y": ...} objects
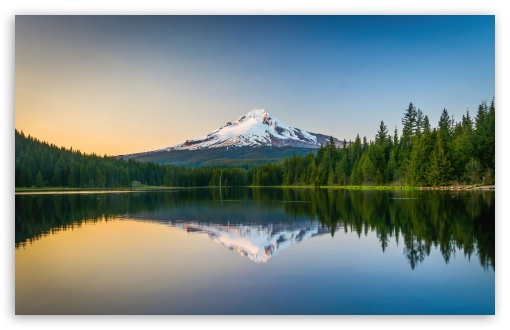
[
  {"x": 74, "y": 113},
  {"x": 73, "y": 90}
]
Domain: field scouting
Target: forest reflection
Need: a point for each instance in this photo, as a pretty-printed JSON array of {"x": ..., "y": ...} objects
[{"x": 416, "y": 220}]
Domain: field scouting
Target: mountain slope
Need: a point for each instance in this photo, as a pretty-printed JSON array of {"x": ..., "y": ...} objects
[
  {"x": 256, "y": 128},
  {"x": 226, "y": 157}
]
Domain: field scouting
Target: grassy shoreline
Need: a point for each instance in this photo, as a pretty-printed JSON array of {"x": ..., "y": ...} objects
[
  {"x": 153, "y": 188},
  {"x": 18, "y": 190},
  {"x": 343, "y": 187}
]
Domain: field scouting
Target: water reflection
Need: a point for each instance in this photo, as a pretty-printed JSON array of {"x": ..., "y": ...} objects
[
  {"x": 418, "y": 220},
  {"x": 257, "y": 242}
]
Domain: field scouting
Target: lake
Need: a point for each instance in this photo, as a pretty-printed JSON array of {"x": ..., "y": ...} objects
[{"x": 255, "y": 251}]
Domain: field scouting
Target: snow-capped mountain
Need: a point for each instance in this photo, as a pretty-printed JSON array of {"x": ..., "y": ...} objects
[
  {"x": 257, "y": 242},
  {"x": 256, "y": 128},
  {"x": 256, "y": 138}
]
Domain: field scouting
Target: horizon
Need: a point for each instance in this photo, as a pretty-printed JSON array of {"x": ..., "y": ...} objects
[{"x": 125, "y": 84}]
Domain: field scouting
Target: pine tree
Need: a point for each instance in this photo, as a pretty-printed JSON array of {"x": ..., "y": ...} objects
[
  {"x": 419, "y": 122},
  {"x": 39, "y": 181},
  {"x": 426, "y": 124},
  {"x": 356, "y": 174},
  {"x": 382, "y": 134},
  {"x": 367, "y": 169},
  {"x": 440, "y": 166},
  {"x": 391, "y": 169},
  {"x": 396, "y": 140},
  {"x": 444, "y": 126},
  {"x": 415, "y": 165},
  {"x": 409, "y": 122},
  {"x": 357, "y": 150}
]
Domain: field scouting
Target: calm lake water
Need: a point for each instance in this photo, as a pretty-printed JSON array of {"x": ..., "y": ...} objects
[{"x": 256, "y": 251}]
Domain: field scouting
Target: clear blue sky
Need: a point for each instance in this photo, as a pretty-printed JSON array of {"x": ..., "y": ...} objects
[{"x": 115, "y": 85}]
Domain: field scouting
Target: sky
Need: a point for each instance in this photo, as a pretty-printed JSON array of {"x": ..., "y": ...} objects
[{"x": 124, "y": 84}]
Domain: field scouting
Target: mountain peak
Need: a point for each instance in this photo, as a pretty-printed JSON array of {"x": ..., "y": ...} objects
[
  {"x": 257, "y": 113},
  {"x": 253, "y": 117}
]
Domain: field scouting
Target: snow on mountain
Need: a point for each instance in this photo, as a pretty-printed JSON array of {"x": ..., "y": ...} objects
[
  {"x": 257, "y": 128},
  {"x": 257, "y": 242}
]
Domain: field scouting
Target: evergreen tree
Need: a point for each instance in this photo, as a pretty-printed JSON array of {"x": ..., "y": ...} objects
[
  {"x": 440, "y": 166},
  {"x": 426, "y": 124},
  {"x": 39, "y": 181},
  {"x": 356, "y": 174},
  {"x": 357, "y": 150},
  {"x": 367, "y": 169},
  {"x": 391, "y": 170},
  {"x": 365, "y": 144},
  {"x": 444, "y": 126},
  {"x": 415, "y": 165},
  {"x": 420, "y": 122},
  {"x": 396, "y": 140},
  {"x": 409, "y": 122},
  {"x": 409, "y": 129},
  {"x": 382, "y": 134}
]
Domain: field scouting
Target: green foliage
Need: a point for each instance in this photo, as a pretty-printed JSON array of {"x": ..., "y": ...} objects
[
  {"x": 367, "y": 169},
  {"x": 461, "y": 152},
  {"x": 59, "y": 167},
  {"x": 382, "y": 134},
  {"x": 39, "y": 182},
  {"x": 473, "y": 169},
  {"x": 421, "y": 157},
  {"x": 485, "y": 140},
  {"x": 439, "y": 172}
]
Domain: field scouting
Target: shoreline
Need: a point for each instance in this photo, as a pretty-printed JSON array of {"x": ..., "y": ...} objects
[
  {"x": 52, "y": 190},
  {"x": 461, "y": 187}
]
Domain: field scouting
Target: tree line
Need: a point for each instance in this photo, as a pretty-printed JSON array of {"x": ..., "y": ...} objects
[
  {"x": 39, "y": 164},
  {"x": 451, "y": 153}
]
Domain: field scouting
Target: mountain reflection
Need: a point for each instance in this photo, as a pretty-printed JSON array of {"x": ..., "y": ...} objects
[
  {"x": 257, "y": 242},
  {"x": 418, "y": 220}
]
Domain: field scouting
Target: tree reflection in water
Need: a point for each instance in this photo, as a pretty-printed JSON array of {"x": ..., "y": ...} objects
[{"x": 450, "y": 221}]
